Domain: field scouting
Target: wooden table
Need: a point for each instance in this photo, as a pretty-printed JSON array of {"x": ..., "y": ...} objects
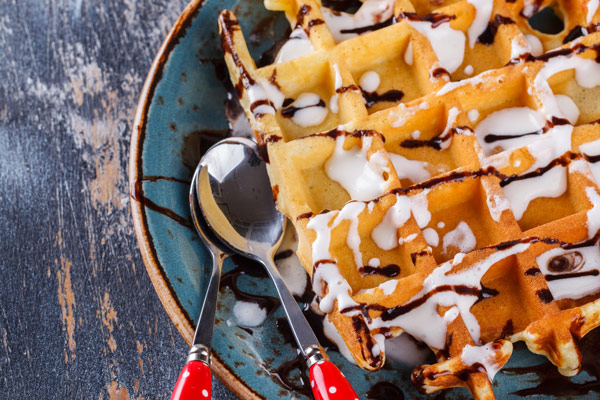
[{"x": 79, "y": 318}]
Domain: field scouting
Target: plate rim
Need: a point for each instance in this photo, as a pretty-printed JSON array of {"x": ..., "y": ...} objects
[{"x": 157, "y": 275}]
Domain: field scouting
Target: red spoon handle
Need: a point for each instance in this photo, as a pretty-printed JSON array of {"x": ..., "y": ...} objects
[
  {"x": 328, "y": 383},
  {"x": 194, "y": 382}
]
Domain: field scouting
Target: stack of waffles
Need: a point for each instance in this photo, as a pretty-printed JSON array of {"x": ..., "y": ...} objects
[{"x": 438, "y": 161}]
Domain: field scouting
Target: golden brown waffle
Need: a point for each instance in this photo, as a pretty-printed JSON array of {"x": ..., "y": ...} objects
[{"x": 443, "y": 190}]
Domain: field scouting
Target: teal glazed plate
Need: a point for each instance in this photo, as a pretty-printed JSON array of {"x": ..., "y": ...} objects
[{"x": 184, "y": 108}]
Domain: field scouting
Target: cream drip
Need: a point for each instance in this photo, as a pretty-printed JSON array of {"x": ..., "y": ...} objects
[
  {"x": 461, "y": 238},
  {"x": 483, "y": 12},
  {"x": 385, "y": 235},
  {"x": 413, "y": 170},
  {"x": 592, "y": 149},
  {"x": 484, "y": 355},
  {"x": 360, "y": 176},
  {"x": 297, "y": 45},
  {"x": 431, "y": 237},
  {"x": 408, "y": 54},
  {"x": 369, "y": 81},
  {"x": 448, "y": 44},
  {"x": 535, "y": 44}
]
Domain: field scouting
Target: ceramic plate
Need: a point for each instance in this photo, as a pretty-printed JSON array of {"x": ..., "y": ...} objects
[{"x": 182, "y": 110}]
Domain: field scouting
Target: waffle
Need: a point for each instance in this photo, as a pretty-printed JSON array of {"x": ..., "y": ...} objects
[{"x": 438, "y": 161}]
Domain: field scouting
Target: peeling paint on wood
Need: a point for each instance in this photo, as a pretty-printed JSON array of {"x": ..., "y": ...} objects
[{"x": 79, "y": 317}]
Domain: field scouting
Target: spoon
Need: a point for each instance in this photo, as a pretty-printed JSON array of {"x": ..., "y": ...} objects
[
  {"x": 236, "y": 201},
  {"x": 195, "y": 381}
]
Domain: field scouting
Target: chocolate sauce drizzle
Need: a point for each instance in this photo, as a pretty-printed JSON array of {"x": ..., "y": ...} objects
[
  {"x": 487, "y": 37},
  {"x": 390, "y": 271},
  {"x": 436, "y": 19},
  {"x": 435, "y": 142},
  {"x": 373, "y": 98},
  {"x": 290, "y": 110},
  {"x": 369, "y": 28},
  {"x": 556, "y": 277}
]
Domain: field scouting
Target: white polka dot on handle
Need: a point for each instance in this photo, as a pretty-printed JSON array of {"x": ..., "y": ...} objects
[
  {"x": 312, "y": 383},
  {"x": 204, "y": 392},
  {"x": 332, "y": 389},
  {"x": 186, "y": 374}
]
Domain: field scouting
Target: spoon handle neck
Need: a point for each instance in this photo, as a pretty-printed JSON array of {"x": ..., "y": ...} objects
[{"x": 303, "y": 333}]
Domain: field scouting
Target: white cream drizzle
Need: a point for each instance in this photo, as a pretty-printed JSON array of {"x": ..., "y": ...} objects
[
  {"x": 413, "y": 170},
  {"x": 248, "y": 313},
  {"x": 450, "y": 122},
  {"x": 265, "y": 90},
  {"x": 420, "y": 208},
  {"x": 483, "y": 12},
  {"x": 297, "y": 45},
  {"x": 473, "y": 115},
  {"x": 309, "y": 112},
  {"x": 484, "y": 355},
  {"x": 370, "y": 13},
  {"x": 520, "y": 193},
  {"x": 461, "y": 238},
  {"x": 360, "y": 176},
  {"x": 424, "y": 322},
  {"x": 507, "y": 122},
  {"x": 385, "y": 235},
  {"x": 448, "y": 44},
  {"x": 519, "y": 46},
  {"x": 588, "y": 259},
  {"x": 469, "y": 70}
]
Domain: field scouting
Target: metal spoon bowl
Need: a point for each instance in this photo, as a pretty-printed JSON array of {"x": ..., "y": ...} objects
[{"x": 237, "y": 203}]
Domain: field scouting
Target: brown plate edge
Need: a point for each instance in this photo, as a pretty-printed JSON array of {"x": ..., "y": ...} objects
[{"x": 159, "y": 280}]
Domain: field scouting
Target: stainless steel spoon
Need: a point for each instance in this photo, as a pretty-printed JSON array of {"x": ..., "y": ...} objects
[
  {"x": 237, "y": 203},
  {"x": 195, "y": 381}
]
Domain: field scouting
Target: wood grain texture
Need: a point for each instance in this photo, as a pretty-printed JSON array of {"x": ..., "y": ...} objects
[{"x": 79, "y": 318}]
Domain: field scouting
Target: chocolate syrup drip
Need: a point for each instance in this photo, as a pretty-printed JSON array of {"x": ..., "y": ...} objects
[
  {"x": 591, "y": 159},
  {"x": 137, "y": 193},
  {"x": 574, "y": 33},
  {"x": 368, "y": 28},
  {"x": 491, "y": 138},
  {"x": 545, "y": 295},
  {"x": 487, "y": 37},
  {"x": 391, "y": 270},
  {"x": 385, "y": 391},
  {"x": 258, "y": 103},
  {"x": 344, "y": 89},
  {"x": 275, "y": 190},
  {"x": 563, "y": 160},
  {"x": 435, "y": 142},
  {"x": 508, "y": 329},
  {"x": 556, "y": 277},
  {"x": 533, "y": 271},
  {"x": 362, "y": 333},
  {"x": 245, "y": 266},
  {"x": 422, "y": 253},
  {"x": 290, "y": 111},
  {"x": 486, "y": 293},
  {"x": 566, "y": 262},
  {"x": 314, "y": 22},
  {"x": 304, "y": 215},
  {"x": 551, "y": 383},
  {"x": 302, "y": 13},
  {"x": 292, "y": 375},
  {"x": 228, "y": 26},
  {"x": 372, "y": 98},
  {"x": 439, "y": 72},
  {"x": 436, "y": 19}
]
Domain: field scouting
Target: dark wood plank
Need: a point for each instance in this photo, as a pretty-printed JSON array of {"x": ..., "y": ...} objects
[{"x": 79, "y": 317}]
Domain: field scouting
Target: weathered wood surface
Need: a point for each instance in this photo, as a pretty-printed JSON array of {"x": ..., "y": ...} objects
[{"x": 79, "y": 318}]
